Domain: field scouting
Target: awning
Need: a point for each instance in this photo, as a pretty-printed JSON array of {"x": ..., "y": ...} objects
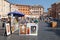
[{"x": 16, "y": 13}]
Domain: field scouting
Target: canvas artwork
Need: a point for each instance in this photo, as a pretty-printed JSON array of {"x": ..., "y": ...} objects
[
  {"x": 33, "y": 29},
  {"x": 8, "y": 28},
  {"x": 27, "y": 30},
  {"x": 22, "y": 29},
  {"x": 12, "y": 28}
]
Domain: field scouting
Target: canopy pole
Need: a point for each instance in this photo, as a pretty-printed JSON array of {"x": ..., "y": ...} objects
[
  {"x": 11, "y": 19},
  {"x": 11, "y": 22}
]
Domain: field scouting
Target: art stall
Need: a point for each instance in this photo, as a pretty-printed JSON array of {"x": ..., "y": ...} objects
[
  {"x": 29, "y": 26},
  {"x": 5, "y": 25},
  {"x": 12, "y": 25}
]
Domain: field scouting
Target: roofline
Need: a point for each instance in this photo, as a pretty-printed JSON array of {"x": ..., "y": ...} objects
[
  {"x": 19, "y": 4},
  {"x": 38, "y": 6},
  {"x": 48, "y": 8},
  {"x": 7, "y": 1}
]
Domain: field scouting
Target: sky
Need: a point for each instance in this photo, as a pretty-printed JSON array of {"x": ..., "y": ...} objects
[{"x": 45, "y": 3}]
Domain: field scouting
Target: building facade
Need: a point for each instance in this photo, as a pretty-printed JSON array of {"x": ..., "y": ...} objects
[
  {"x": 24, "y": 9},
  {"x": 4, "y": 8},
  {"x": 13, "y": 8},
  {"x": 50, "y": 12},
  {"x": 36, "y": 10},
  {"x": 45, "y": 14},
  {"x": 54, "y": 14},
  {"x": 21, "y": 8},
  {"x": 58, "y": 10},
  {"x": 54, "y": 11},
  {"x": 1, "y": 7}
]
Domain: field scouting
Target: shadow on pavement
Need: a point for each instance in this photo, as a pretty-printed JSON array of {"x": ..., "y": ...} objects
[
  {"x": 57, "y": 31},
  {"x": 1, "y": 32}
]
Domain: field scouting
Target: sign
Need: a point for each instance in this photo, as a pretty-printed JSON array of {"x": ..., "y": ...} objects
[{"x": 7, "y": 28}]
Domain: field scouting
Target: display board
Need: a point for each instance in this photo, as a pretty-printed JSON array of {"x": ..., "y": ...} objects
[
  {"x": 14, "y": 24},
  {"x": 33, "y": 27},
  {"x": 29, "y": 25},
  {"x": 28, "y": 29},
  {"x": 8, "y": 31}
]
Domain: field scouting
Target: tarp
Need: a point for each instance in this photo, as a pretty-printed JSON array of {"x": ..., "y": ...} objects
[{"x": 16, "y": 13}]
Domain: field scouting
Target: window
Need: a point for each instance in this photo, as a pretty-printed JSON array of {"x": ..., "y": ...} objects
[
  {"x": 1, "y": 10},
  {"x": 40, "y": 8},
  {"x": 40, "y": 11}
]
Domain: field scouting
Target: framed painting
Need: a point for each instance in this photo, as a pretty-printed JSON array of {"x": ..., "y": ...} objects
[{"x": 8, "y": 31}]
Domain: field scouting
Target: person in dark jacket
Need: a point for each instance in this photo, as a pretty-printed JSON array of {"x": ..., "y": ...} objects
[{"x": 3, "y": 25}]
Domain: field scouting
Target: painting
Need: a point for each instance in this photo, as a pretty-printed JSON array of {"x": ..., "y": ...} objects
[
  {"x": 22, "y": 29},
  {"x": 33, "y": 29},
  {"x": 8, "y": 28}
]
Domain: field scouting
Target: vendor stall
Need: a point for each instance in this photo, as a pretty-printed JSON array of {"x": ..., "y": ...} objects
[
  {"x": 29, "y": 25},
  {"x": 12, "y": 24}
]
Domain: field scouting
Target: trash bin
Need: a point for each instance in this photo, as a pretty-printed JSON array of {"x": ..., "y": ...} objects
[{"x": 54, "y": 24}]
